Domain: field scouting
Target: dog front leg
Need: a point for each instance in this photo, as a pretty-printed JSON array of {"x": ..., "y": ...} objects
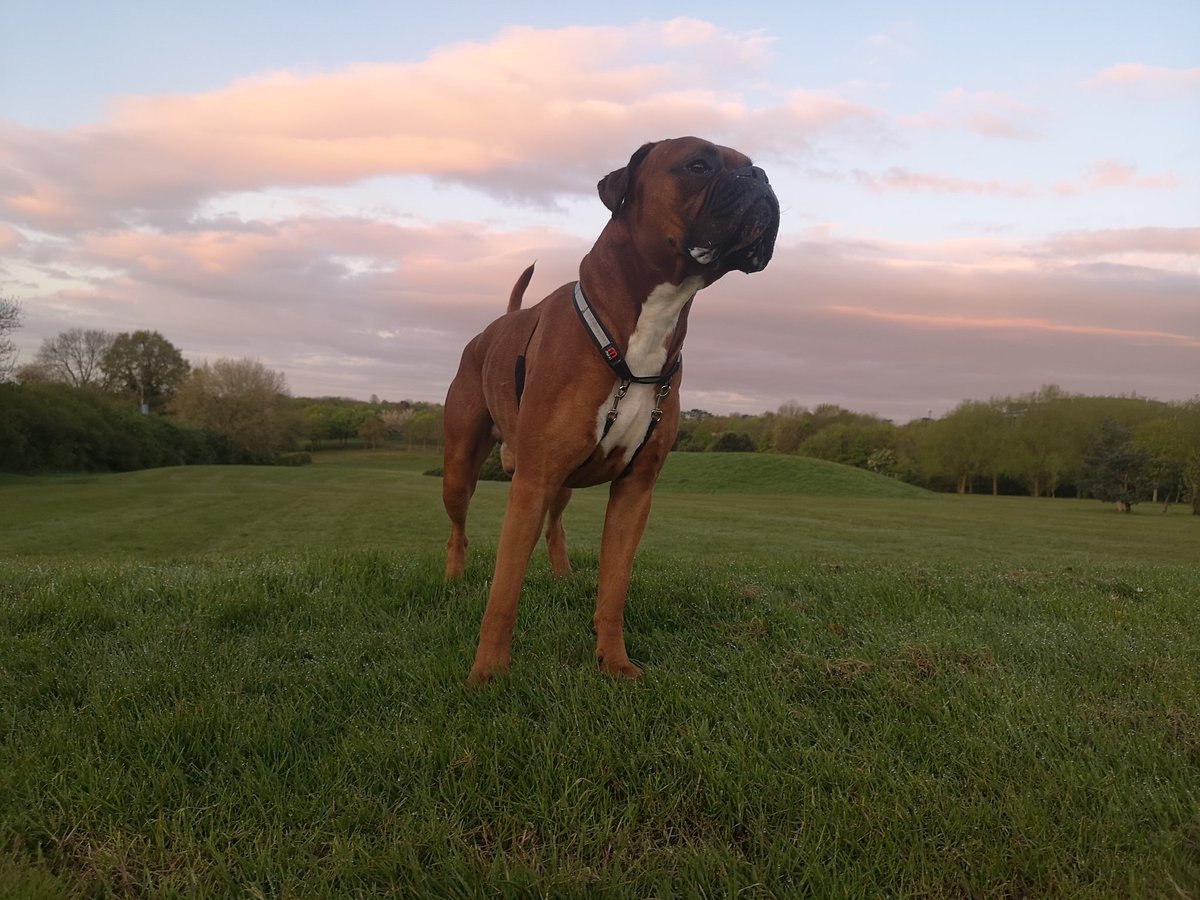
[
  {"x": 527, "y": 504},
  {"x": 624, "y": 522}
]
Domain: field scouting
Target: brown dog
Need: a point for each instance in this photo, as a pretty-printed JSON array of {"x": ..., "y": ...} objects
[{"x": 575, "y": 386}]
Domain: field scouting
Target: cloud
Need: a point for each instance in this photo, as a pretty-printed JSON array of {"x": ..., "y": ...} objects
[
  {"x": 1016, "y": 325},
  {"x": 354, "y": 306},
  {"x": 1141, "y": 81},
  {"x": 902, "y": 328},
  {"x": 901, "y": 179},
  {"x": 1182, "y": 242},
  {"x": 11, "y": 240},
  {"x": 991, "y": 114},
  {"x": 1110, "y": 174},
  {"x": 532, "y": 114},
  {"x": 1100, "y": 176},
  {"x": 126, "y": 223}
]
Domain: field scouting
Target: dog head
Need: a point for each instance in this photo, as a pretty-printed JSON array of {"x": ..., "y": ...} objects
[{"x": 695, "y": 208}]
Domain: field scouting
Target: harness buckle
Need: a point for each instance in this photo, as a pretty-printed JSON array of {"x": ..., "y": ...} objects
[{"x": 617, "y": 398}]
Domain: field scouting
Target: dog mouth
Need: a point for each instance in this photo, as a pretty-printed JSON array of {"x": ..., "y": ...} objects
[{"x": 738, "y": 227}]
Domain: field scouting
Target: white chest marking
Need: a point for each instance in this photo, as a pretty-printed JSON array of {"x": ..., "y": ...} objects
[{"x": 647, "y": 354}]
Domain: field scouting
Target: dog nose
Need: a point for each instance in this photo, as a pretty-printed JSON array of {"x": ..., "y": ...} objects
[{"x": 753, "y": 172}]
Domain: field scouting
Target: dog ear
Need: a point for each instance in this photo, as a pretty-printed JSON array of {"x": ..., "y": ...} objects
[{"x": 615, "y": 186}]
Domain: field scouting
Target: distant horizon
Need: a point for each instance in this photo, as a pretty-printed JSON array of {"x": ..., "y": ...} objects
[{"x": 970, "y": 206}]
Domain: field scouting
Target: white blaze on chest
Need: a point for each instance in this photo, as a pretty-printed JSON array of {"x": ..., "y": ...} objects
[{"x": 646, "y": 355}]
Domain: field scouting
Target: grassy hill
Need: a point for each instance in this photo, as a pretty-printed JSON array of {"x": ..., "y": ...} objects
[
  {"x": 249, "y": 682},
  {"x": 733, "y": 507},
  {"x": 762, "y": 473}
]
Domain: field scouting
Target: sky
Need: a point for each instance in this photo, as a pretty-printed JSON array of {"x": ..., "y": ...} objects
[{"x": 978, "y": 199}]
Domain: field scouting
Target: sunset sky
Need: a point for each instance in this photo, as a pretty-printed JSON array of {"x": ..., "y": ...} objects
[{"x": 978, "y": 199}]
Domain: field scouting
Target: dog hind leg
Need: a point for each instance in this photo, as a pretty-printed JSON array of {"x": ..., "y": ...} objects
[
  {"x": 556, "y": 535},
  {"x": 468, "y": 442}
]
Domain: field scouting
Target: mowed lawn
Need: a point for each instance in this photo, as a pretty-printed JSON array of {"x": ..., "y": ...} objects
[
  {"x": 734, "y": 507},
  {"x": 250, "y": 681}
]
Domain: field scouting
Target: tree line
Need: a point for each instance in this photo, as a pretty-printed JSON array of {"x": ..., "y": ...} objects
[
  {"x": 96, "y": 400},
  {"x": 74, "y": 406},
  {"x": 1048, "y": 443}
]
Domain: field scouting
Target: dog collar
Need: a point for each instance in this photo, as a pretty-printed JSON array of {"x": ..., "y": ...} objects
[{"x": 609, "y": 351}]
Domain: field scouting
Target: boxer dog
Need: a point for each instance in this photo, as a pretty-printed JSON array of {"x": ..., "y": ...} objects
[{"x": 582, "y": 388}]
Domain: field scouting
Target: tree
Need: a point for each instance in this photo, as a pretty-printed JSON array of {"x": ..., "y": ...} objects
[
  {"x": 1173, "y": 441},
  {"x": 396, "y": 420},
  {"x": 426, "y": 426},
  {"x": 1040, "y": 450},
  {"x": 1115, "y": 470},
  {"x": 318, "y": 423},
  {"x": 1189, "y": 429},
  {"x": 882, "y": 461},
  {"x": 850, "y": 444},
  {"x": 243, "y": 400},
  {"x": 790, "y": 427},
  {"x": 10, "y": 321},
  {"x": 372, "y": 431},
  {"x": 345, "y": 419},
  {"x": 734, "y": 442},
  {"x": 75, "y": 357},
  {"x": 965, "y": 444},
  {"x": 146, "y": 365}
]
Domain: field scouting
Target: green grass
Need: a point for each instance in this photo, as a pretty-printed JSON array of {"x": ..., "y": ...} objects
[
  {"x": 844, "y": 696},
  {"x": 382, "y": 501},
  {"x": 762, "y": 473}
]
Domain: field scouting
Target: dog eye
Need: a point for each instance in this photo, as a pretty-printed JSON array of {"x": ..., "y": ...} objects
[{"x": 698, "y": 167}]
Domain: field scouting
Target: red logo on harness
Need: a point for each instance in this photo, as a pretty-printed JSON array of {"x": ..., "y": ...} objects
[{"x": 611, "y": 352}]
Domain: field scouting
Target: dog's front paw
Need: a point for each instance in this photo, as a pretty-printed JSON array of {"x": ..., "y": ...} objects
[
  {"x": 619, "y": 666},
  {"x": 487, "y": 669}
]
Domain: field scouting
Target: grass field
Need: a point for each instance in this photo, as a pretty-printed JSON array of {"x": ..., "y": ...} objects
[{"x": 250, "y": 682}]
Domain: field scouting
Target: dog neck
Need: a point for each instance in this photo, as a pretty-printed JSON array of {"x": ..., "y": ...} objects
[
  {"x": 644, "y": 311},
  {"x": 659, "y": 332}
]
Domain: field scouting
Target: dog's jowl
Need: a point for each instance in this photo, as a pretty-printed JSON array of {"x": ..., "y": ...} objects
[{"x": 582, "y": 388}]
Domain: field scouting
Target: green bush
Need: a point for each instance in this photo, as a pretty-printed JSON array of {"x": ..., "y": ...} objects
[
  {"x": 492, "y": 469},
  {"x": 56, "y": 428},
  {"x": 734, "y": 442}
]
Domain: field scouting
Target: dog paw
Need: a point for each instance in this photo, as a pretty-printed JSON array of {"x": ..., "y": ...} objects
[
  {"x": 487, "y": 671},
  {"x": 619, "y": 668}
]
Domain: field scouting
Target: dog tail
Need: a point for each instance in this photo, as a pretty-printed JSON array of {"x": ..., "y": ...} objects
[{"x": 518, "y": 291}]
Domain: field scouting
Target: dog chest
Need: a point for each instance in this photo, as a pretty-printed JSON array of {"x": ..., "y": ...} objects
[{"x": 647, "y": 354}]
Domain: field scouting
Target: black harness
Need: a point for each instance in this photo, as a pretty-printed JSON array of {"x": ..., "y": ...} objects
[{"x": 612, "y": 356}]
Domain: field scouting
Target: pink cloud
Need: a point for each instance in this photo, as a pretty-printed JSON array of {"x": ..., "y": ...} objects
[
  {"x": 901, "y": 179},
  {"x": 355, "y": 306},
  {"x": 1139, "y": 80},
  {"x": 1014, "y": 324},
  {"x": 1110, "y": 174},
  {"x": 1100, "y": 176},
  {"x": 534, "y": 113},
  {"x": 10, "y": 239},
  {"x": 1184, "y": 242}
]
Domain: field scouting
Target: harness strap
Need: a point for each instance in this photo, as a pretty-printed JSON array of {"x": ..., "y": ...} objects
[
  {"x": 611, "y": 354},
  {"x": 519, "y": 374},
  {"x": 609, "y": 351}
]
